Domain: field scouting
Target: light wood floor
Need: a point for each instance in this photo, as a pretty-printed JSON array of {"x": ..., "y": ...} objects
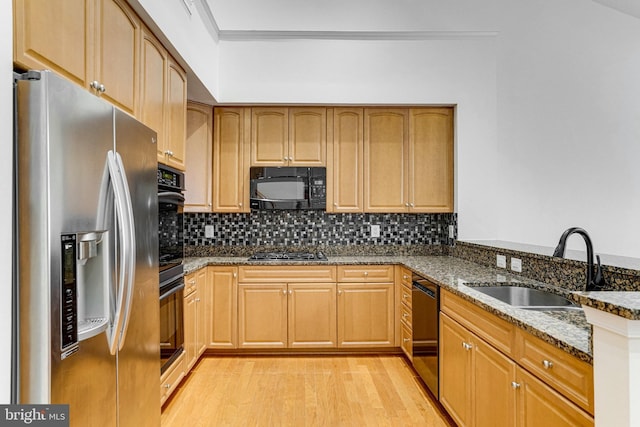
[{"x": 301, "y": 391}]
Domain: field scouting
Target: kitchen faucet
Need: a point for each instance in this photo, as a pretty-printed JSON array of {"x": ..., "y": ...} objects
[{"x": 596, "y": 283}]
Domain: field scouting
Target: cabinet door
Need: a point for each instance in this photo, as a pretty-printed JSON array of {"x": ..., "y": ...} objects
[
  {"x": 431, "y": 160},
  {"x": 307, "y": 136},
  {"x": 198, "y": 160},
  {"x": 190, "y": 331},
  {"x": 269, "y": 136},
  {"x": 455, "y": 370},
  {"x": 385, "y": 160},
  {"x": 345, "y": 161},
  {"x": 117, "y": 54},
  {"x": 312, "y": 315},
  {"x": 221, "y": 307},
  {"x": 230, "y": 147},
  {"x": 494, "y": 395},
  {"x": 539, "y": 404},
  {"x": 52, "y": 34},
  {"x": 201, "y": 338},
  {"x": 176, "y": 104},
  {"x": 365, "y": 315},
  {"x": 153, "y": 85},
  {"x": 262, "y": 315}
]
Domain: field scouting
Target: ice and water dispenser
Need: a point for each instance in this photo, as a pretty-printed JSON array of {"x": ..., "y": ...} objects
[{"x": 85, "y": 288}]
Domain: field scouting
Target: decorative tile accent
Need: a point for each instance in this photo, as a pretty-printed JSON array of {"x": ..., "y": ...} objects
[{"x": 317, "y": 228}]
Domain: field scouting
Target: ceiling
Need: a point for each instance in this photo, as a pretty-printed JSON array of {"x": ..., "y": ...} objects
[{"x": 263, "y": 18}]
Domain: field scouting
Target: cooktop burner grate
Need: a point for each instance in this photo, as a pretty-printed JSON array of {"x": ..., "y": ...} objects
[{"x": 288, "y": 256}]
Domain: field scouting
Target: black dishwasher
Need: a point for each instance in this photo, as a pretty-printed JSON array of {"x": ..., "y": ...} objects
[{"x": 425, "y": 308}]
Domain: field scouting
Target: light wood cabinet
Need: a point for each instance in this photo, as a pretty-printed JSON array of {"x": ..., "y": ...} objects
[
  {"x": 171, "y": 378},
  {"x": 221, "y": 308},
  {"x": 488, "y": 376},
  {"x": 262, "y": 315},
  {"x": 385, "y": 159},
  {"x": 198, "y": 159},
  {"x": 366, "y": 306},
  {"x": 153, "y": 85},
  {"x": 232, "y": 130},
  {"x": 408, "y": 160},
  {"x": 283, "y": 136},
  {"x": 172, "y": 151},
  {"x": 287, "y": 307},
  {"x": 194, "y": 321},
  {"x": 404, "y": 323},
  {"x": 94, "y": 43},
  {"x": 431, "y": 160},
  {"x": 345, "y": 160},
  {"x": 52, "y": 34}
]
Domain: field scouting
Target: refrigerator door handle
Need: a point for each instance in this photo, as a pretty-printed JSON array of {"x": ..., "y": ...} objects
[
  {"x": 129, "y": 249},
  {"x": 111, "y": 181}
]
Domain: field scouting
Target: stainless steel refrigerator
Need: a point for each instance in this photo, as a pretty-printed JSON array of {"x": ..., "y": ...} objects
[{"x": 87, "y": 248}]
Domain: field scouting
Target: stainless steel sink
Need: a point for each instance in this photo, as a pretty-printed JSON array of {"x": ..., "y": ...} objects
[{"x": 529, "y": 298}]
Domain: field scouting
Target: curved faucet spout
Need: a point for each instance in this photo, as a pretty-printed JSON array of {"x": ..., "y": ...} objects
[{"x": 592, "y": 284}]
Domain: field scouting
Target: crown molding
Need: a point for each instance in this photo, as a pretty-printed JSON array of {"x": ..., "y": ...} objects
[{"x": 248, "y": 35}]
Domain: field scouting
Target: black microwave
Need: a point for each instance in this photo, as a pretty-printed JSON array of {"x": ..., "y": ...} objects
[{"x": 288, "y": 188}]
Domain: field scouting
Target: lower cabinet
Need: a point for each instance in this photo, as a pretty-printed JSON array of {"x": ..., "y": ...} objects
[
  {"x": 281, "y": 315},
  {"x": 483, "y": 386},
  {"x": 171, "y": 378},
  {"x": 365, "y": 315},
  {"x": 194, "y": 326},
  {"x": 221, "y": 308}
]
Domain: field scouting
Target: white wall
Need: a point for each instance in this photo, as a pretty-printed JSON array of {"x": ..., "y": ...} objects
[
  {"x": 569, "y": 124},
  {"x": 460, "y": 72},
  {"x": 6, "y": 167}
]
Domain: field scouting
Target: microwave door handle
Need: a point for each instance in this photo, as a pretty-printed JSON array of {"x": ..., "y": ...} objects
[
  {"x": 113, "y": 332},
  {"x": 129, "y": 249}
]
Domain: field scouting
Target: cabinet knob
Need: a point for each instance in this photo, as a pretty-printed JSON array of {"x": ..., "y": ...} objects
[
  {"x": 240, "y": 204},
  {"x": 366, "y": 273},
  {"x": 335, "y": 204},
  {"x": 467, "y": 346},
  {"x": 405, "y": 296},
  {"x": 405, "y": 277},
  {"x": 235, "y": 274},
  {"x": 411, "y": 204},
  {"x": 102, "y": 89},
  {"x": 290, "y": 292},
  {"x": 406, "y": 339},
  {"x": 339, "y": 292},
  {"x": 197, "y": 299},
  {"x": 405, "y": 315},
  {"x": 515, "y": 385},
  {"x": 406, "y": 204},
  {"x": 284, "y": 292},
  {"x": 167, "y": 386},
  {"x": 547, "y": 364}
]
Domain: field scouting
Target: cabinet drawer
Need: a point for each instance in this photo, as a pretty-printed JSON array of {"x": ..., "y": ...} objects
[
  {"x": 287, "y": 273},
  {"x": 492, "y": 329},
  {"x": 568, "y": 375},
  {"x": 405, "y": 277},
  {"x": 365, "y": 273},
  {"x": 171, "y": 378},
  {"x": 406, "y": 343},
  {"x": 190, "y": 281},
  {"x": 406, "y": 296},
  {"x": 405, "y": 316}
]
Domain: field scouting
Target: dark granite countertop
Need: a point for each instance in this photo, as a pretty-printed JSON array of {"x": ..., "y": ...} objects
[{"x": 568, "y": 331}]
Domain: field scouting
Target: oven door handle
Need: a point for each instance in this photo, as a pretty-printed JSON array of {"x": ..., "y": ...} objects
[
  {"x": 172, "y": 291},
  {"x": 171, "y": 197}
]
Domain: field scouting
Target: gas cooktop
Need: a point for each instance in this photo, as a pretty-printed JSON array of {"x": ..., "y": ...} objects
[{"x": 288, "y": 256}]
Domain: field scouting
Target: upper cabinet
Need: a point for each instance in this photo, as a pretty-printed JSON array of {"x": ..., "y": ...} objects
[
  {"x": 431, "y": 159},
  {"x": 288, "y": 136},
  {"x": 230, "y": 157},
  {"x": 154, "y": 85},
  {"x": 345, "y": 160},
  {"x": 408, "y": 160},
  {"x": 385, "y": 160},
  {"x": 95, "y": 43},
  {"x": 176, "y": 117},
  {"x": 198, "y": 197}
]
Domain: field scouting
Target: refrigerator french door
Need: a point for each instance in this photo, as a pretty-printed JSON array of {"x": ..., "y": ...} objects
[{"x": 87, "y": 245}]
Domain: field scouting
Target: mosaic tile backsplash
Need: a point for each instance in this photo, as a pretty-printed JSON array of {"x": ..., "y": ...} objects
[{"x": 317, "y": 228}]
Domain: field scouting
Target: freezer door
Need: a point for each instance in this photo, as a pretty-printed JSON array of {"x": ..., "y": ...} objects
[
  {"x": 64, "y": 133},
  {"x": 139, "y": 356}
]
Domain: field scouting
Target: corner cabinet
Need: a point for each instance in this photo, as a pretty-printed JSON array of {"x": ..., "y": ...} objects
[
  {"x": 295, "y": 136},
  {"x": 231, "y": 133},
  {"x": 492, "y": 373},
  {"x": 94, "y": 43},
  {"x": 198, "y": 181}
]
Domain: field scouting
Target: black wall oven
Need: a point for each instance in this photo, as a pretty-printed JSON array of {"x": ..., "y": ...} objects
[
  {"x": 424, "y": 314},
  {"x": 171, "y": 254}
]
